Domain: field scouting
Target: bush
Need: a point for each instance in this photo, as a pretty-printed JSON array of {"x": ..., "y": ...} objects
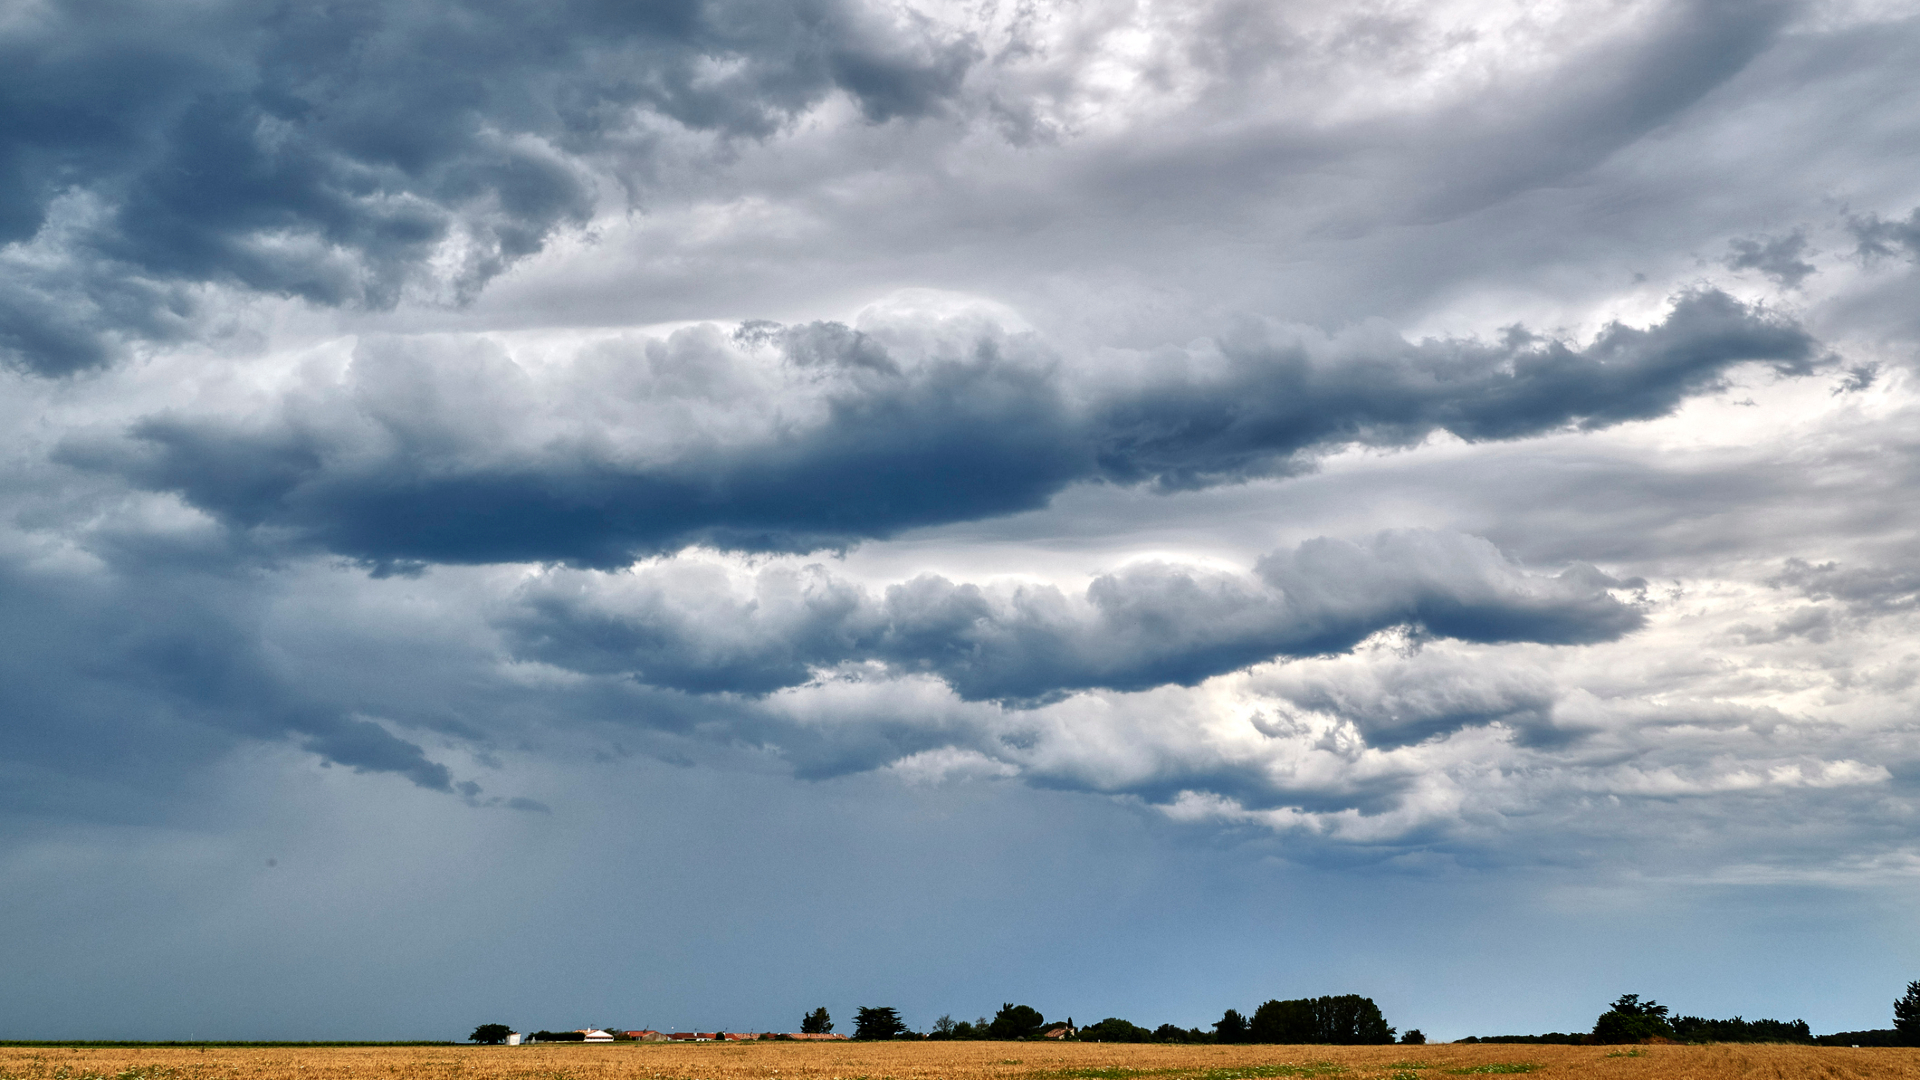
[{"x": 1414, "y": 1037}]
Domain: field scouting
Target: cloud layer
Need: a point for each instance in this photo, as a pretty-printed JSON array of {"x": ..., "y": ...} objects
[
  {"x": 449, "y": 452},
  {"x": 690, "y": 628}
]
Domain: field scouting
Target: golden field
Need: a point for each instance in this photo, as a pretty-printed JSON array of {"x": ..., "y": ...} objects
[{"x": 959, "y": 1060}]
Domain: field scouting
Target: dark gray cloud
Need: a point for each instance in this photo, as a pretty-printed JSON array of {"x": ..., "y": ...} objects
[
  {"x": 1862, "y": 588},
  {"x": 1879, "y": 238},
  {"x": 330, "y": 153},
  {"x": 409, "y": 460},
  {"x": 1778, "y": 257},
  {"x": 690, "y": 629},
  {"x": 1274, "y": 403}
]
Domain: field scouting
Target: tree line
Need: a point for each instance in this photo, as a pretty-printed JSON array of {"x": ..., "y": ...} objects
[
  {"x": 1345, "y": 1019},
  {"x": 1631, "y": 1020}
]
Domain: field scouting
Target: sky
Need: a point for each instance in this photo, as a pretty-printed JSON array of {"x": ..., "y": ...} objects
[{"x": 670, "y": 515}]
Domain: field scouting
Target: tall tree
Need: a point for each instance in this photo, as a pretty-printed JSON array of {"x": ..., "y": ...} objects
[
  {"x": 877, "y": 1023},
  {"x": 1906, "y": 1015},
  {"x": 1016, "y": 1022},
  {"x": 490, "y": 1034},
  {"x": 1231, "y": 1028},
  {"x": 816, "y": 1022},
  {"x": 1631, "y": 1020}
]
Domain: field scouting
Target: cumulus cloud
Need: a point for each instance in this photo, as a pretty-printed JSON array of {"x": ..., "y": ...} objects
[{"x": 451, "y": 452}]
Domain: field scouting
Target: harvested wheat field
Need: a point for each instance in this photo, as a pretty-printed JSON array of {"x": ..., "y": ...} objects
[{"x": 959, "y": 1060}]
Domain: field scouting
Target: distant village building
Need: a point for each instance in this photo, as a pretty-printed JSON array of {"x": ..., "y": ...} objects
[
  {"x": 514, "y": 1038},
  {"x": 594, "y": 1035},
  {"x": 1061, "y": 1031},
  {"x": 813, "y": 1035}
]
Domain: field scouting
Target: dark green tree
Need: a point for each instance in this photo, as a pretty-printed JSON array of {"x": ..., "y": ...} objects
[
  {"x": 1631, "y": 1020},
  {"x": 1414, "y": 1037},
  {"x": 1231, "y": 1027},
  {"x": 490, "y": 1034},
  {"x": 816, "y": 1022},
  {"x": 879, "y": 1022},
  {"x": 1352, "y": 1020},
  {"x": 943, "y": 1028},
  {"x": 1345, "y": 1020},
  {"x": 1906, "y": 1015},
  {"x": 1114, "y": 1029},
  {"x": 1284, "y": 1022},
  {"x": 1016, "y": 1022}
]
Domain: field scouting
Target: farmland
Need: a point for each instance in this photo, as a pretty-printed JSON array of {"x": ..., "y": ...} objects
[{"x": 953, "y": 1061}]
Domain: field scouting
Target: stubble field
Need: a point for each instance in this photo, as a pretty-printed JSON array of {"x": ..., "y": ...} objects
[{"x": 957, "y": 1060}]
